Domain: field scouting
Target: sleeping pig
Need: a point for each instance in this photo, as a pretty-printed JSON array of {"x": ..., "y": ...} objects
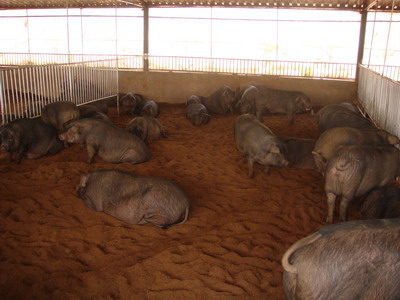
[
  {"x": 135, "y": 199},
  {"x": 113, "y": 144},
  {"x": 150, "y": 109},
  {"x": 30, "y": 137},
  {"x": 257, "y": 143},
  {"x": 349, "y": 260},
  {"x": 146, "y": 128},
  {"x": 197, "y": 114}
]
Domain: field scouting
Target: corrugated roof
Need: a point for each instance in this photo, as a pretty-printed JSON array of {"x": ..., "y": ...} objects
[{"x": 381, "y": 5}]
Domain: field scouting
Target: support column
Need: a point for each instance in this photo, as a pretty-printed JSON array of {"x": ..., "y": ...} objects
[
  {"x": 361, "y": 42},
  {"x": 145, "y": 38}
]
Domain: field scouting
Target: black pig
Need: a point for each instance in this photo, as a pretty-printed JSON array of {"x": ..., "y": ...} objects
[
  {"x": 135, "y": 199},
  {"x": 30, "y": 137}
]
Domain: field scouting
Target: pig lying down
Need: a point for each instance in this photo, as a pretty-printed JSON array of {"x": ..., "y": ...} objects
[
  {"x": 29, "y": 137},
  {"x": 347, "y": 261},
  {"x": 111, "y": 143},
  {"x": 135, "y": 199}
]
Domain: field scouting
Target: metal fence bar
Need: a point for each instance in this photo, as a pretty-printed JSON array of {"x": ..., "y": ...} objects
[
  {"x": 380, "y": 97},
  {"x": 25, "y": 89}
]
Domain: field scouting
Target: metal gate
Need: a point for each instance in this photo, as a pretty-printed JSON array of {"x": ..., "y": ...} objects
[{"x": 26, "y": 89}]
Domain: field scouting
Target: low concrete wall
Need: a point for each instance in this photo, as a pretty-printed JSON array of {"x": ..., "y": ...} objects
[{"x": 176, "y": 87}]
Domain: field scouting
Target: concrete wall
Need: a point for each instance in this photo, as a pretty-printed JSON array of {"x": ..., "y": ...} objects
[{"x": 176, "y": 87}]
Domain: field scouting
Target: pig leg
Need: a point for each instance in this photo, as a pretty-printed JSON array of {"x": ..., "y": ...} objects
[
  {"x": 20, "y": 154},
  {"x": 91, "y": 151},
  {"x": 266, "y": 168},
  {"x": 331, "y": 205},
  {"x": 250, "y": 163},
  {"x": 343, "y": 208}
]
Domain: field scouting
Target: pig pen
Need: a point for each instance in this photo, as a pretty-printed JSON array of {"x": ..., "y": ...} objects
[{"x": 54, "y": 247}]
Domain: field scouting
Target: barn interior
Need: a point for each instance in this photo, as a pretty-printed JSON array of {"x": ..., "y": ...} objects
[{"x": 238, "y": 228}]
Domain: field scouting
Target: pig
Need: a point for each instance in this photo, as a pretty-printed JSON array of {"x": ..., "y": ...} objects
[
  {"x": 298, "y": 152},
  {"x": 197, "y": 114},
  {"x": 91, "y": 111},
  {"x": 257, "y": 143},
  {"x": 59, "y": 113},
  {"x": 328, "y": 143},
  {"x": 281, "y": 102},
  {"x": 222, "y": 101},
  {"x": 146, "y": 128},
  {"x": 150, "y": 109},
  {"x": 382, "y": 203},
  {"x": 350, "y": 260},
  {"x": 113, "y": 144},
  {"x": 341, "y": 115},
  {"x": 356, "y": 170},
  {"x": 135, "y": 199},
  {"x": 29, "y": 137},
  {"x": 194, "y": 99},
  {"x": 131, "y": 104},
  {"x": 101, "y": 105},
  {"x": 246, "y": 104}
]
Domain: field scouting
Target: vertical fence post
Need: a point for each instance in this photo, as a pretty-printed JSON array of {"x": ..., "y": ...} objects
[
  {"x": 361, "y": 43},
  {"x": 145, "y": 38}
]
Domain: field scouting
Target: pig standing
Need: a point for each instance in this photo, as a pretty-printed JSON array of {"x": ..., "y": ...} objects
[
  {"x": 355, "y": 170},
  {"x": 134, "y": 199},
  {"x": 382, "y": 203},
  {"x": 150, "y": 109},
  {"x": 30, "y": 137},
  {"x": 298, "y": 152},
  {"x": 222, "y": 101},
  {"x": 131, "y": 104},
  {"x": 341, "y": 115},
  {"x": 328, "y": 143},
  {"x": 59, "y": 113},
  {"x": 347, "y": 261},
  {"x": 146, "y": 128},
  {"x": 281, "y": 102},
  {"x": 257, "y": 143},
  {"x": 113, "y": 144},
  {"x": 197, "y": 114}
]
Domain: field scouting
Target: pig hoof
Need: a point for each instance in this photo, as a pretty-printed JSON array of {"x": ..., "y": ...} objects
[{"x": 329, "y": 220}]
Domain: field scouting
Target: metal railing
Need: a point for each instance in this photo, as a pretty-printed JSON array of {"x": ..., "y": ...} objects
[
  {"x": 380, "y": 98},
  {"x": 25, "y": 89},
  {"x": 327, "y": 70}
]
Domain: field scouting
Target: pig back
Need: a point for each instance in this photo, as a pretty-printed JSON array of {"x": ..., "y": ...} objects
[
  {"x": 343, "y": 262},
  {"x": 114, "y": 144},
  {"x": 355, "y": 170},
  {"x": 59, "y": 113},
  {"x": 135, "y": 199},
  {"x": 332, "y": 139},
  {"x": 341, "y": 115}
]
